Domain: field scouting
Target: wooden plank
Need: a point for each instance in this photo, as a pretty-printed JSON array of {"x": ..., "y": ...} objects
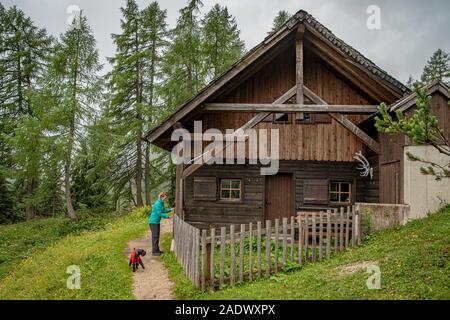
[
  {"x": 300, "y": 239},
  {"x": 292, "y": 238},
  {"x": 291, "y": 107},
  {"x": 353, "y": 225},
  {"x": 299, "y": 76},
  {"x": 328, "y": 233},
  {"x": 320, "y": 234},
  {"x": 341, "y": 230},
  {"x": 306, "y": 237},
  {"x": 347, "y": 218},
  {"x": 250, "y": 252},
  {"x": 223, "y": 232},
  {"x": 314, "y": 235},
  {"x": 204, "y": 266},
  {"x": 211, "y": 259},
  {"x": 258, "y": 247},
  {"x": 248, "y": 125},
  {"x": 232, "y": 256},
  {"x": 341, "y": 119},
  {"x": 284, "y": 241},
  {"x": 336, "y": 230},
  {"x": 268, "y": 247},
  {"x": 197, "y": 257},
  {"x": 241, "y": 253},
  {"x": 277, "y": 232}
]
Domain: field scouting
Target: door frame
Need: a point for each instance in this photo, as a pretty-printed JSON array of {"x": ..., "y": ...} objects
[{"x": 292, "y": 174}]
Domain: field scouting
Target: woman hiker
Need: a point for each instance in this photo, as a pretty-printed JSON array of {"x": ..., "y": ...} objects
[{"x": 158, "y": 212}]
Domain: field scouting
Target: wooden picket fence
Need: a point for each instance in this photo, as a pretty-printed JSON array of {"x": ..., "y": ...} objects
[{"x": 210, "y": 257}]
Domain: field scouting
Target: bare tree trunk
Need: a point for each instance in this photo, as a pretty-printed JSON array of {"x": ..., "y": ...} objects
[
  {"x": 30, "y": 211},
  {"x": 70, "y": 211},
  {"x": 139, "y": 201},
  {"x": 148, "y": 200}
]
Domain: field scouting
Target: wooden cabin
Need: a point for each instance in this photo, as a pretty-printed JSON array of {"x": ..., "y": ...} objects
[{"x": 316, "y": 90}]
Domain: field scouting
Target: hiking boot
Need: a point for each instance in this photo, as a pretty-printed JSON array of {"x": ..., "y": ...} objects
[{"x": 156, "y": 253}]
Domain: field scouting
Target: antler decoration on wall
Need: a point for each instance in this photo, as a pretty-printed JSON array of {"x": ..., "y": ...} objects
[{"x": 364, "y": 167}]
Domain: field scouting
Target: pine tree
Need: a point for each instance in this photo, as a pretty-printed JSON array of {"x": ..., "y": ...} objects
[
  {"x": 411, "y": 81},
  {"x": 74, "y": 79},
  {"x": 437, "y": 68},
  {"x": 281, "y": 18},
  {"x": 133, "y": 82},
  {"x": 221, "y": 42}
]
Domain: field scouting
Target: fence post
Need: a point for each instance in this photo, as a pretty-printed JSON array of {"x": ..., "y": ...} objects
[
  {"x": 204, "y": 265},
  {"x": 232, "y": 256},
  {"x": 300, "y": 239},
  {"x": 328, "y": 233},
  {"x": 277, "y": 226},
  {"x": 267, "y": 247},
  {"x": 353, "y": 226},
  {"x": 347, "y": 220},
  {"x": 321, "y": 235},
  {"x": 241, "y": 253},
  {"x": 258, "y": 248},
  {"x": 336, "y": 230},
  {"x": 284, "y": 241},
  {"x": 306, "y": 237},
  {"x": 341, "y": 229},
  {"x": 197, "y": 258},
  {"x": 250, "y": 252},
  {"x": 223, "y": 232},
  {"x": 212, "y": 248},
  {"x": 314, "y": 234},
  {"x": 292, "y": 237}
]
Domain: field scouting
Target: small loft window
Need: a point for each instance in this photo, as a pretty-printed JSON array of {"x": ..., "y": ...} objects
[
  {"x": 340, "y": 192},
  {"x": 281, "y": 117},
  {"x": 230, "y": 189},
  {"x": 304, "y": 117}
]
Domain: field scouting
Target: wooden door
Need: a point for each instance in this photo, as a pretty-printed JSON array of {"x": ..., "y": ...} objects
[
  {"x": 389, "y": 183},
  {"x": 279, "y": 196}
]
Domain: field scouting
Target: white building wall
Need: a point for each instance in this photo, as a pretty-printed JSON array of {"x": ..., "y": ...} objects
[{"x": 423, "y": 193}]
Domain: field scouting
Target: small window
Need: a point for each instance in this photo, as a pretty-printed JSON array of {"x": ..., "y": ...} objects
[
  {"x": 230, "y": 189},
  {"x": 304, "y": 117},
  {"x": 281, "y": 117},
  {"x": 340, "y": 192}
]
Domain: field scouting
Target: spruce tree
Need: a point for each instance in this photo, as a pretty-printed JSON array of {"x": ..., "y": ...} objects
[
  {"x": 183, "y": 63},
  {"x": 134, "y": 83},
  {"x": 221, "y": 43},
  {"x": 24, "y": 49},
  {"x": 437, "y": 68},
  {"x": 281, "y": 18}
]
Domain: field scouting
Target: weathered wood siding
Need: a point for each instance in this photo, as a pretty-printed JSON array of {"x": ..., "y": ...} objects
[
  {"x": 251, "y": 208},
  {"x": 299, "y": 141}
]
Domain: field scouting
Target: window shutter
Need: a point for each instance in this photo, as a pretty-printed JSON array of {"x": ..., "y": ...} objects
[
  {"x": 205, "y": 188},
  {"x": 315, "y": 191}
]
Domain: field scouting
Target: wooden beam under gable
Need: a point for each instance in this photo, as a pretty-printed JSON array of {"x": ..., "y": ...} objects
[
  {"x": 310, "y": 108},
  {"x": 250, "y": 124},
  {"x": 299, "y": 75},
  {"x": 350, "y": 126}
]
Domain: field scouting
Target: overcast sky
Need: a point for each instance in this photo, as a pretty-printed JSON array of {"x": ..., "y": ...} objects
[{"x": 410, "y": 30}]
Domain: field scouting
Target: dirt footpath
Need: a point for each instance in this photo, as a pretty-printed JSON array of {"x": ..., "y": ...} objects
[{"x": 153, "y": 283}]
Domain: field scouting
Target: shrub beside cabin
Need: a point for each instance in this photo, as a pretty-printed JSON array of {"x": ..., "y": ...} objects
[{"x": 321, "y": 95}]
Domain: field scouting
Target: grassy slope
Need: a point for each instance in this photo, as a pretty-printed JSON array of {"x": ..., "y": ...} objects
[
  {"x": 99, "y": 254},
  {"x": 413, "y": 259},
  {"x": 21, "y": 240}
]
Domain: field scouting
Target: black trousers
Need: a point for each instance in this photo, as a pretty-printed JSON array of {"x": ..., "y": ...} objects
[{"x": 154, "y": 228}]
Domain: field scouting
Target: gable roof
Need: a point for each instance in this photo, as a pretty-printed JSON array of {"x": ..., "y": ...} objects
[
  {"x": 408, "y": 101},
  {"x": 354, "y": 56}
]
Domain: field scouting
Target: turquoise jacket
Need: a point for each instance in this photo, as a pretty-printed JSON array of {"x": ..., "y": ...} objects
[{"x": 158, "y": 212}]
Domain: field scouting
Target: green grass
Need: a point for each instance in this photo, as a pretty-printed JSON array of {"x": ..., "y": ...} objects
[
  {"x": 99, "y": 254},
  {"x": 21, "y": 240},
  {"x": 413, "y": 259}
]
